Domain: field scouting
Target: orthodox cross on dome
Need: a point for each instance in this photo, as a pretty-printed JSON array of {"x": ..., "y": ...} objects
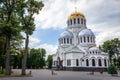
[{"x": 75, "y": 9}]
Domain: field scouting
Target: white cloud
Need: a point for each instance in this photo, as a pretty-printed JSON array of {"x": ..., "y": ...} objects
[
  {"x": 50, "y": 49},
  {"x": 33, "y": 42},
  {"x": 101, "y": 37},
  {"x": 102, "y": 17}
]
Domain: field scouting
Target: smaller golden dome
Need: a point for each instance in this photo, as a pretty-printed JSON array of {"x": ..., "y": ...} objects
[{"x": 76, "y": 15}]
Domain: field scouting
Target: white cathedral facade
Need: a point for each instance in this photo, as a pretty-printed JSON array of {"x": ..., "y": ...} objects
[{"x": 77, "y": 48}]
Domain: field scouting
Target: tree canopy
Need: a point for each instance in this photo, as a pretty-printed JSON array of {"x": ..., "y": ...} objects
[{"x": 112, "y": 47}]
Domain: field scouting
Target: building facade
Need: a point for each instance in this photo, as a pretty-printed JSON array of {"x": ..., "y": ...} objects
[{"x": 77, "y": 48}]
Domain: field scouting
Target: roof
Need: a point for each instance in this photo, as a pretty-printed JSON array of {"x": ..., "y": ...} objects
[
  {"x": 87, "y": 32},
  {"x": 76, "y": 15}
]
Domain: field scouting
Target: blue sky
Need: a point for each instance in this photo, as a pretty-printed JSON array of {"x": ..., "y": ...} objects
[
  {"x": 103, "y": 18},
  {"x": 49, "y": 36}
]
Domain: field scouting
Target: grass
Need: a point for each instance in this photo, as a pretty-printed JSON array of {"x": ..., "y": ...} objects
[{"x": 2, "y": 75}]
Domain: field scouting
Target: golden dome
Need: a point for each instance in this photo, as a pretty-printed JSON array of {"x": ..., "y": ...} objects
[{"x": 76, "y": 15}]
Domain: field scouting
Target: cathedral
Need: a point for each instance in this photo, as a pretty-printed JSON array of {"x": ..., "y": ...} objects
[{"x": 77, "y": 49}]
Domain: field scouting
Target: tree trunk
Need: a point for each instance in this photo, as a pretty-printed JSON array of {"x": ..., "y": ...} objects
[
  {"x": 24, "y": 60},
  {"x": 7, "y": 54}
]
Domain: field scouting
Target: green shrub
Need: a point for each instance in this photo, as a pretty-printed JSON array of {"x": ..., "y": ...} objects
[
  {"x": 112, "y": 69},
  {"x": 1, "y": 71}
]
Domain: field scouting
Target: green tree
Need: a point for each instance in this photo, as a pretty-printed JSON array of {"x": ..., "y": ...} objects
[
  {"x": 112, "y": 69},
  {"x": 9, "y": 26},
  {"x": 49, "y": 61},
  {"x": 42, "y": 57},
  {"x": 15, "y": 47},
  {"x": 112, "y": 47},
  {"x": 2, "y": 50},
  {"x": 28, "y": 9},
  {"x": 36, "y": 58}
]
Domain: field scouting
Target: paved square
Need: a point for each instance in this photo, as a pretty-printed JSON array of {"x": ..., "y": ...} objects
[{"x": 62, "y": 75}]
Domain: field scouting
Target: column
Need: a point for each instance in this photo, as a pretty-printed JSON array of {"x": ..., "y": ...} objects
[
  {"x": 82, "y": 39},
  {"x": 79, "y": 20},
  {"x": 83, "y": 21},
  {"x": 93, "y": 39}
]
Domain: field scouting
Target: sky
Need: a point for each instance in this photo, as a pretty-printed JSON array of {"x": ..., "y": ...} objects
[{"x": 103, "y": 18}]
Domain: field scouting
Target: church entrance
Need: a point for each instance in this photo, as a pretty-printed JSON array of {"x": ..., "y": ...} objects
[{"x": 59, "y": 64}]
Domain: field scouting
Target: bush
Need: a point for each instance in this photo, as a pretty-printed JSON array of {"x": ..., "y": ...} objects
[
  {"x": 1, "y": 71},
  {"x": 112, "y": 69}
]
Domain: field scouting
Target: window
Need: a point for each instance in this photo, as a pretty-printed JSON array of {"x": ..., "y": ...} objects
[
  {"x": 99, "y": 62},
  {"x": 68, "y": 62},
  {"x": 78, "y": 21},
  {"x": 84, "y": 21},
  {"x": 68, "y": 22},
  {"x": 105, "y": 62},
  {"x": 93, "y": 62},
  {"x": 81, "y": 21},
  {"x": 96, "y": 52},
  {"x": 87, "y": 62},
  {"x": 77, "y": 62},
  {"x": 88, "y": 39},
  {"x": 91, "y": 39},
  {"x": 81, "y": 39},
  {"x": 67, "y": 40},
  {"x": 84, "y": 39},
  {"x": 74, "y": 21},
  {"x": 64, "y": 41},
  {"x": 71, "y": 21}
]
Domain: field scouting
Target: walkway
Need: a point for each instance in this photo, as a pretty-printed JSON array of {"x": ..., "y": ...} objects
[{"x": 62, "y": 75}]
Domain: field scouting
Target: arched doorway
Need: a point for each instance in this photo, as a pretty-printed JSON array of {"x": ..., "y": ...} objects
[
  {"x": 87, "y": 62},
  {"x": 93, "y": 62},
  {"x": 59, "y": 64},
  {"x": 99, "y": 62}
]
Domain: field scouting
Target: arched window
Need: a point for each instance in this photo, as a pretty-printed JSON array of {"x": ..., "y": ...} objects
[
  {"x": 93, "y": 62},
  {"x": 90, "y": 52},
  {"x": 87, "y": 62},
  {"x": 99, "y": 62},
  {"x": 68, "y": 22},
  {"x": 81, "y": 39},
  {"x": 91, "y": 38},
  {"x": 88, "y": 38},
  {"x": 71, "y": 21},
  {"x": 81, "y": 21},
  {"x": 84, "y": 39},
  {"x": 105, "y": 62},
  {"x": 64, "y": 41},
  {"x": 68, "y": 62},
  {"x": 74, "y": 21},
  {"x": 84, "y": 21},
  {"x": 67, "y": 40},
  {"x": 77, "y": 62},
  {"x": 78, "y": 21},
  {"x": 93, "y": 52},
  {"x": 96, "y": 52}
]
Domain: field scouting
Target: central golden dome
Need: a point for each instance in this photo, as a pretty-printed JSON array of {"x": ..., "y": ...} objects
[{"x": 76, "y": 15}]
